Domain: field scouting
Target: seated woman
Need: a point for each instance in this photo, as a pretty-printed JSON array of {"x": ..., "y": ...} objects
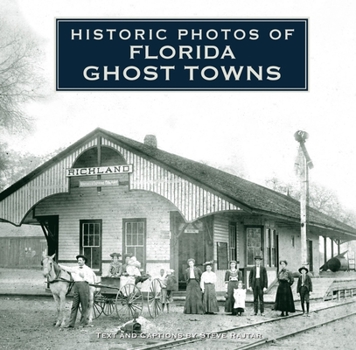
[
  {"x": 133, "y": 271},
  {"x": 115, "y": 268}
]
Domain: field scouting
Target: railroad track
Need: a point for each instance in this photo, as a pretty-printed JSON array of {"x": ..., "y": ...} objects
[{"x": 254, "y": 335}]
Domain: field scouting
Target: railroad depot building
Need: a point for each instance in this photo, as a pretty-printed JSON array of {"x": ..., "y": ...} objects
[{"x": 107, "y": 193}]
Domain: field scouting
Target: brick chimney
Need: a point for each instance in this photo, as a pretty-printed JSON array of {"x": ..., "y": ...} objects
[{"x": 150, "y": 140}]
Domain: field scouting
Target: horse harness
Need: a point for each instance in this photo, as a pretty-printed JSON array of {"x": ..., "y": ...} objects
[{"x": 57, "y": 278}]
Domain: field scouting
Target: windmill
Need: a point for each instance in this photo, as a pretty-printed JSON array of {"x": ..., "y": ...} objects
[{"x": 304, "y": 163}]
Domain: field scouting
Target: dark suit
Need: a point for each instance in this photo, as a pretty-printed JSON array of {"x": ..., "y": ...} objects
[
  {"x": 304, "y": 289},
  {"x": 307, "y": 283},
  {"x": 257, "y": 285}
]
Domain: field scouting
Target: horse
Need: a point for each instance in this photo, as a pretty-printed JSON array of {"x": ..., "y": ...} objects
[{"x": 60, "y": 284}]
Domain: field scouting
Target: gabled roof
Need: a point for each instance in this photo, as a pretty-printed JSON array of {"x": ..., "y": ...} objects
[{"x": 256, "y": 198}]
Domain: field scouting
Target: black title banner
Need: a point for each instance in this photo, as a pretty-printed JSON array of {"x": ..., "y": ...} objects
[{"x": 182, "y": 54}]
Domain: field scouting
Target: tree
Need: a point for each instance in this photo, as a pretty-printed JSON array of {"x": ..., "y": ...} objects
[
  {"x": 320, "y": 198},
  {"x": 288, "y": 188},
  {"x": 20, "y": 81},
  {"x": 18, "y": 165},
  {"x": 19, "y": 75}
]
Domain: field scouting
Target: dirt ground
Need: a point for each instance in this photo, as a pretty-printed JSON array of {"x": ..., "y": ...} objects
[{"x": 28, "y": 322}]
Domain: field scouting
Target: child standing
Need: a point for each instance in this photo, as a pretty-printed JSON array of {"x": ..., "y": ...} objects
[
  {"x": 239, "y": 299},
  {"x": 171, "y": 284},
  {"x": 304, "y": 288},
  {"x": 163, "y": 283}
]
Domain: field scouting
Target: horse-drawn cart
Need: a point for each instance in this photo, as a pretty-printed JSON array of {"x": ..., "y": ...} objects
[
  {"x": 111, "y": 294},
  {"x": 125, "y": 298}
]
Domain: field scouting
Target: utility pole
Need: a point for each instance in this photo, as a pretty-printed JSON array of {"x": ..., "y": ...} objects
[{"x": 305, "y": 163}]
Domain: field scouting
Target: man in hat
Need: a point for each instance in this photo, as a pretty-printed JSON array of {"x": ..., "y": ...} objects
[
  {"x": 304, "y": 288},
  {"x": 82, "y": 276},
  {"x": 258, "y": 283},
  {"x": 115, "y": 268}
]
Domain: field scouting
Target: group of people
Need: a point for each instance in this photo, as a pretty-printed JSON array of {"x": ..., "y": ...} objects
[
  {"x": 201, "y": 294},
  {"x": 284, "y": 296},
  {"x": 129, "y": 271},
  {"x": 200, "y": 291},
  {"x": 83, "y": 276}
]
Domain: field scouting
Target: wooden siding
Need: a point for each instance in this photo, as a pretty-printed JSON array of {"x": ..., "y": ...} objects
[
  {"x": 14, "y": 207},
  {"x": 221, "y": 234},
  {"x": 293, "y": 253},
  {"x": 191, "y": 200},
  {"x": 112, "y": 206},
  {"x": 22, "y": 252}
]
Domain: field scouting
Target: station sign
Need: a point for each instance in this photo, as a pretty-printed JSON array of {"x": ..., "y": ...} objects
[
  {"x": 101, "y": 170},
  {"x": 191, "y": 228},
  {"x": 99, "y": 183}
]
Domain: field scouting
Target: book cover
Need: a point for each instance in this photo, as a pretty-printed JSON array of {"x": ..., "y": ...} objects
[{"x": 226, "y": 84}]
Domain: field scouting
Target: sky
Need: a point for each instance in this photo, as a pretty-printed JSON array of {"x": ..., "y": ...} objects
[{"x": 250, "y": 133}]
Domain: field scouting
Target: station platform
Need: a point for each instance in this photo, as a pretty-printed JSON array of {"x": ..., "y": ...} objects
[{"x": 327, "y": 286}]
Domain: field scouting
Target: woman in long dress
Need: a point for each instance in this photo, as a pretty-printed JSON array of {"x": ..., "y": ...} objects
[
  {"x": 284, "y": 296},
  {"x": 207, "y": 285},
  {"x": 232, "y": 276},
  {"x": 193, "y": 299}
]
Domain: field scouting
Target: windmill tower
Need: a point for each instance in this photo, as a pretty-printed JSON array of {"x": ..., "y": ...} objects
[{"x": 304, "y": 164}]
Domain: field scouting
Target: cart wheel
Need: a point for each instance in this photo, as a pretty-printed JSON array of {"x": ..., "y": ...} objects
[
  {"x": 97, "y": 308},
  {"x": 129, "y": 302},
  {"x": 108, "y": 306},
  {"x": 154, "y": 298}
]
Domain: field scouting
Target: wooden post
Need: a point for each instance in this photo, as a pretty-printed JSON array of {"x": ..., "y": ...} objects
[
  {"x": 303, "y": 213},
  {"x": 304, "y": 164},
  {"x": 332, "y": 247}
]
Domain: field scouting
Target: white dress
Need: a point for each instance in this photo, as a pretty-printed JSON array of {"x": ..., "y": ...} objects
[{"x": 240, "y": 297}]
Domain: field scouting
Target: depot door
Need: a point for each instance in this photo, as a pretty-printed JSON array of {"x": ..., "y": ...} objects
[{"x": 191, "y": 245}]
